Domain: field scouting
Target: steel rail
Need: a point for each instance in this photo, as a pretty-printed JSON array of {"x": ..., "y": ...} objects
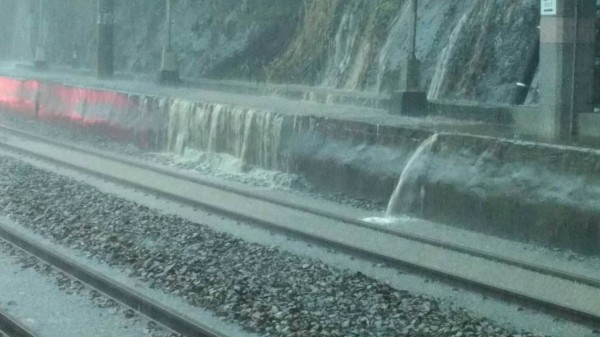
[
  {"x": 322, "y": 213},
  {"x": 11, "y": 327},
  {"x": 505, "y": 292},
  {"x": 131, "y": 298}
]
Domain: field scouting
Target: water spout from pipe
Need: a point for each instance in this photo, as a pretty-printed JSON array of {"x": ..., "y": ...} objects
[{"x": 410, "y": 192}]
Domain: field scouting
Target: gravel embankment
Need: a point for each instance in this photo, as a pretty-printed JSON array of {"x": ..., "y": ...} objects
[{"x": 262, "y": 288}]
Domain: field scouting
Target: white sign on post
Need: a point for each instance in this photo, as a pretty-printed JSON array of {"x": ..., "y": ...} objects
[{"x": 548, "y": 7}]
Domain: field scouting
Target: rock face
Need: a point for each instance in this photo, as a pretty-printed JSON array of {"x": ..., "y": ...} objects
[
  {"x": 481, "y": 49},
  {"x": 471, "y": 50}
]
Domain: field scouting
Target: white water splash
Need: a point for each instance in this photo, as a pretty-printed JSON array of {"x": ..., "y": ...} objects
[
  {"x": 410, "y": 191},
  {"x": 230, "y": 168},
  {"x": 389, "y": 221},
  {"x": 381, "y": 221},
  {"x": 253, "y": 137}
]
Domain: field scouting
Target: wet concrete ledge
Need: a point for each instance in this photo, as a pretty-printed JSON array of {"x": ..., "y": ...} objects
[{"x": 529, "y": 191}]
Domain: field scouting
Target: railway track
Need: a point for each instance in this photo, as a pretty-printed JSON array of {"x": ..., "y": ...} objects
[
  {"x": 562, "y": 293},
  {"x": 11, "y": 327},
  {"x": 163, "y": 315}
]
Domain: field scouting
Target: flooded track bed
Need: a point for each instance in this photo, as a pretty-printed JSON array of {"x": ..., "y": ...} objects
[{"x": 189, "y": 241}]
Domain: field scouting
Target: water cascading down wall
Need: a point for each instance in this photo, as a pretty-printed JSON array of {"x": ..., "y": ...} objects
[
  {"x": 536, "y": 192},
  {"x": 471, "y": 50}
]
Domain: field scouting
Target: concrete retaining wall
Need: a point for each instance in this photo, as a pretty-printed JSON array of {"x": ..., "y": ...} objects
[
  {"x": 121, "y": 116},
  {"x": 589, "y": 125},
  {"x": 535, "y": 192},
  {"x": 19, "y": 96},
  {"x": 521, "y": 190},
  {"x": 490, "y": 114}
]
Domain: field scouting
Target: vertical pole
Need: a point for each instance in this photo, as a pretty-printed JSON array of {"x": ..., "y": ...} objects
[
  {"x": 40, "y": 51},
  {"x": 567, "y": 41},
  {"x": 169, "y": 25},
  {"x": 105, "y": 65},
  {"x": 411, "y": 67},
  {"x": 410, "y": 99},
  {"x": 572, "y": 112},
  {"x": 169, "y": 70},
  {"x": 41, "y": 23},
  {"x": 413, "y": 45}
]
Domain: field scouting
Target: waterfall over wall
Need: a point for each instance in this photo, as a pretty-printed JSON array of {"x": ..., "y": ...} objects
[
  {"x": 347, "y": 156},
  {"x": 256, "y": 138},
  {"x": 410, "y": 192},
  {"x": 545, "y": 193}
]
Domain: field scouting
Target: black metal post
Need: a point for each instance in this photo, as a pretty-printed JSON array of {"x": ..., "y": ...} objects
[
  {"x": 413, "y": 46},
  {"x": 572, "y": 112},
  {"x": 169, "y": 25},
  {"x": 169, "y": 70},
  {"x": 410, "y": 99},
  {"x": 40, "y": 50},
  {"x": 105, "y": 62}
]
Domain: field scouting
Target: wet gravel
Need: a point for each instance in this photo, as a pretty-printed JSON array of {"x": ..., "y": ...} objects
[{"x": 262, "y": 288}]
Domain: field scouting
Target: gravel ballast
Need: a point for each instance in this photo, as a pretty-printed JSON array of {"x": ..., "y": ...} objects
[{"x": 262, "y": 288}]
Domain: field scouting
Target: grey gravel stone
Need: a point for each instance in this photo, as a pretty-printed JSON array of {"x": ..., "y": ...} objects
[{"x": 263, "y": 289}]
